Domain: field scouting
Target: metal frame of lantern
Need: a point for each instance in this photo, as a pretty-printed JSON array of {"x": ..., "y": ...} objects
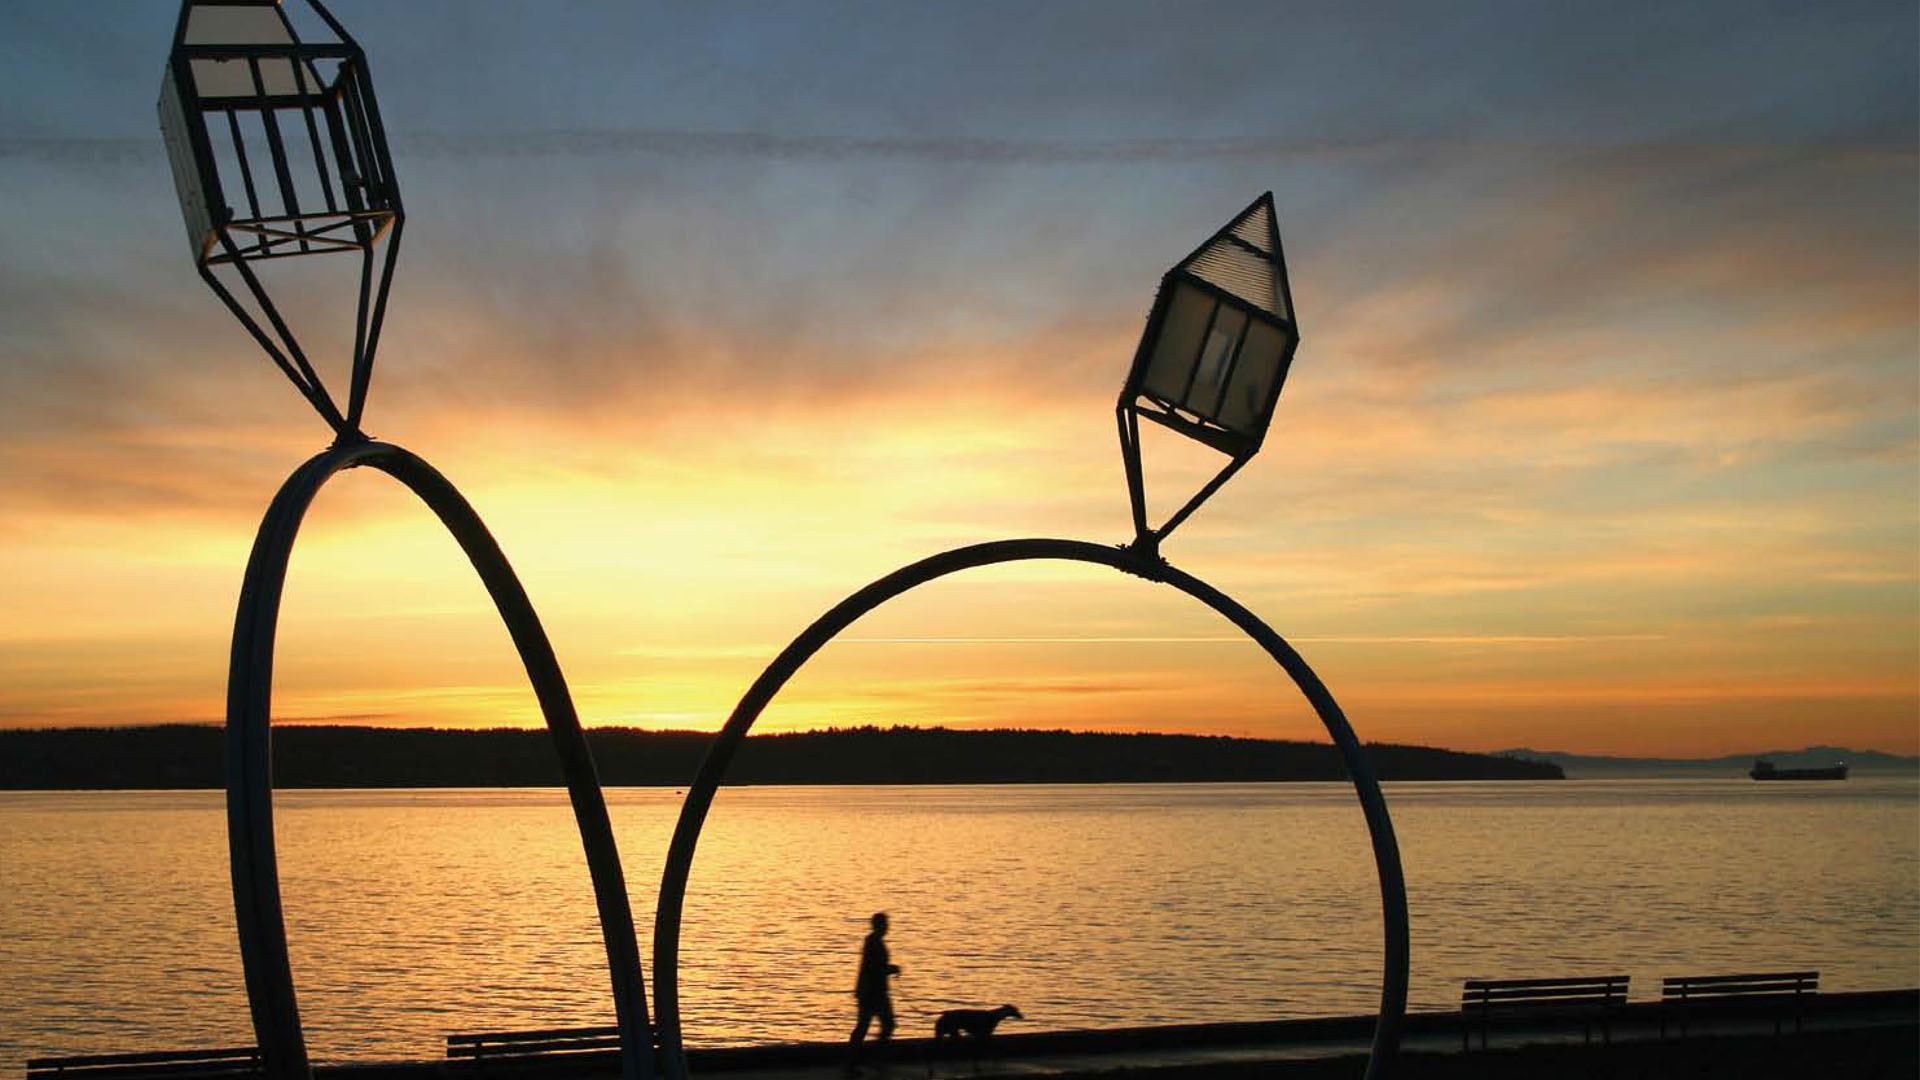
[
  {"x": 1218, "y": 386},
  {"x": 1239, "y": 436},
  {"x": 235, "y": 68}
]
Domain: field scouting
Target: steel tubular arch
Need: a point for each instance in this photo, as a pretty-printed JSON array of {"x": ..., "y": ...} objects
[
  {"x": 255, "y": 865},
  {"x": 699, "y": 800}
]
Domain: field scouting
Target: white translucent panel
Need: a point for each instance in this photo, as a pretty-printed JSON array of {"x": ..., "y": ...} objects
[
  {"x": 1216, "y": 360},
  {"x": 1171, "y": 362},
  {"x": 1243, "y": 273},
  {"x": 1245, "y": 407},
  {"x": 236, "y": 24},
  {"x": 186, "y": 173},
  {"x": 234, "y": 78},
  {"x": 1257, "y": 228}
]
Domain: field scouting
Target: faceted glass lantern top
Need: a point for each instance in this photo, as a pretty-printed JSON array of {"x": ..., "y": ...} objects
[
  {"x": 1220, "y": 337},
  {"x": 1215, "y": 351},
  {"x": 277, "y": 150}
]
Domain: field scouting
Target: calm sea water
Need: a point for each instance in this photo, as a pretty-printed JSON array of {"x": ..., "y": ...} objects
[{"x": 417, "y": 913}]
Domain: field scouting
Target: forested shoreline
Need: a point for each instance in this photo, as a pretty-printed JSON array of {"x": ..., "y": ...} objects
[{"x": 183, "y": 756}]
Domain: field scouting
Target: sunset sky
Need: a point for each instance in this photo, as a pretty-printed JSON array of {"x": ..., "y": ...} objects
[{"x": 1603, "y": 436}]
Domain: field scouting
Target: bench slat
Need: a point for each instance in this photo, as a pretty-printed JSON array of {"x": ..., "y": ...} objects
[
  {"x": 524, "y": 1036},
  {"x": 1501, "y": 993},
  {"x": 1733, "y": 984},
  {"x": 133, "y": 1071},
  {"x": 246, "y": 1053},
  {"x": 1788, "y": 978},
  {"x": 1749, "y": 975},
  {"x": 241, "y": 1061},
  {"x": 529, "y": 1049},
  {"x": 1709, "y": 993},
  {"x": 508, "y": 1047},
  {"x": 1567, "y": 1003},
  {"x": 1585, "y": 980}
]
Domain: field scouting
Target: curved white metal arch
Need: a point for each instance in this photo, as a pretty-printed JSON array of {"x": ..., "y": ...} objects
[
  {"x": 693, "y": 811},
  {"x": 255, "y": 865}
]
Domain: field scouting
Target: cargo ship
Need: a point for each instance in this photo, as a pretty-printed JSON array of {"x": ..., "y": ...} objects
[{"x": 1764, "y": 770}]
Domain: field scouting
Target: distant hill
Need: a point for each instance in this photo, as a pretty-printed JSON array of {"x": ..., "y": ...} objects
[
  {"x": 1598, "y": 767},
  {"x": 187, "y": 756}
]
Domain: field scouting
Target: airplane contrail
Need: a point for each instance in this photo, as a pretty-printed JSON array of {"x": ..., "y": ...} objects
[{"x": 597, "y": 143}]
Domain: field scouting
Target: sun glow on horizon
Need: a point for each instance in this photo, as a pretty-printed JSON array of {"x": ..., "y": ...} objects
[{"x": 669, "y": 567}]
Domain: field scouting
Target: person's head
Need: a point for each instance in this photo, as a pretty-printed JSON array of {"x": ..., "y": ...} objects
[{"x": 879, "y": 922}]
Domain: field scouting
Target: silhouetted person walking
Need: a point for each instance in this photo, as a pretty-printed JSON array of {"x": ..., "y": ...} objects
[{"x": 870, "y": 990}]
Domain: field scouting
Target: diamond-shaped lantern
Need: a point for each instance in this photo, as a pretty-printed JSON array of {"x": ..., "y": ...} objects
[
  {"x": 1215, "y": 351},
  {"x": 277, "y": 151}
]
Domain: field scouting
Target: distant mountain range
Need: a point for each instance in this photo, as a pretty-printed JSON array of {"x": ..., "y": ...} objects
[
  {"x": 1597, "y": 767},
  {"x": 188, "y": 756}
]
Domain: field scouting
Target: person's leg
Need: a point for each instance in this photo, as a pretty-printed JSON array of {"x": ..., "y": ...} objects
[
  {"x": 859, "y": 1034},
  {"x": 885, "y": 1012}
]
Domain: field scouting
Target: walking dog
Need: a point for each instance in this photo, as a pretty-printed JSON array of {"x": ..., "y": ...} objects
[{"x": 978, "y": 1023}]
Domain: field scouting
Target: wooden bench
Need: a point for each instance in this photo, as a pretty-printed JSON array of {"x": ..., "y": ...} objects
[
  {"x": 1778, "y": 992},
  {"x": 1590, "y": 999},
  {"x": 239, "y": 1061},
  {"x": 518, "y": 1049}
]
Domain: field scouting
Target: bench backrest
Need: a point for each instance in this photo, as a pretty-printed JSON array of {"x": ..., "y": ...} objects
[
  {"x": 499, "y": 1044},
  {"x": 1596, "y": 990},
  {"x": 1767, "y": 984},
  {"x": 235, "y": 1061}
]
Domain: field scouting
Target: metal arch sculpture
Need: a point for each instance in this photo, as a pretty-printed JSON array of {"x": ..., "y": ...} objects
[
  {"x": 693, "y": 813},
  {"x": 242, "y": 86},
  {"x": 1210, "y": 365},
  {"x": 256, "y": 879}
]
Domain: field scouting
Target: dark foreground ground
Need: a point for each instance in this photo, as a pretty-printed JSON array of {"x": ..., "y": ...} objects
[
  {"x": 1847, "y": 1035},
  {"x": 1869, "y": 1054},
  {"x": 1866, "y": 1035}
]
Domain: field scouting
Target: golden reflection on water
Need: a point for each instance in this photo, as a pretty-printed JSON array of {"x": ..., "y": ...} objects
[{"x": 415, "y": 914}]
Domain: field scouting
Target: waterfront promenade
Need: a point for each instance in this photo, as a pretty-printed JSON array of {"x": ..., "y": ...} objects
[{"x": 1867, "y": 1034}]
